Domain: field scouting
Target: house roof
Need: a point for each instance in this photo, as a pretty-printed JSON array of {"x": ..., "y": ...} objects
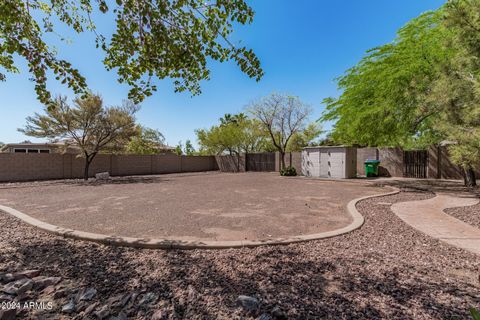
[{"x": 33, "y": 145}]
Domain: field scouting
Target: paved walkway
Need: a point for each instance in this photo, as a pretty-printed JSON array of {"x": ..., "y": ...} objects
[{"x": 428, "y": 217}]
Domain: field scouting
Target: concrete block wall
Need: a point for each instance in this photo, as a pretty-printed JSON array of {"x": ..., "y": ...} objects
[
  {"x": 439, "y": 166},
  {"x": 293, "y": 159},
  {"x": 391, "y": 162},
  {"x": 29, "y": 167},
  {"x": 228, "y": 163},
  {"x": 364, "y": 154}
]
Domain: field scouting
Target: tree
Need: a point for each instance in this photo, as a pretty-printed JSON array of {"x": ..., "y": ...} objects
[
  {"x": 234, "y": 136},
  {"x": 88, "y": 125},
  {"x": 305, "y": 138},
  {"x": 189, "y": 149},
  {"x": 146, "y": 141},
  {"x": 282, "y": 116},
  {"x": 152, "y": 39},
  {"x": 419, "y": 90},
  {"x": 456, "y": 90},
  {"x": 179, "y": 148},
  {"x": 383, "y": 100}
]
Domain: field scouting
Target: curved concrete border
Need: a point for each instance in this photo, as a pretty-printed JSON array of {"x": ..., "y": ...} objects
[{"x": 148, "y": 243}]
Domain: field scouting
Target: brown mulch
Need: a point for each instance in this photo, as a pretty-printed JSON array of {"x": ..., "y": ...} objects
[{"x": 384, "y": 270}]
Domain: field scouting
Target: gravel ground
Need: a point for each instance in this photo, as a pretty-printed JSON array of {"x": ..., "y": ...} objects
[
  {"x": 384, "y": 270},
  {"x": 470, "y": 215}
]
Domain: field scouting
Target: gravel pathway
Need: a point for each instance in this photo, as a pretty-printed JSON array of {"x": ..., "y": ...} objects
[
  {"x": 470, "y": 215},
  {"x": 384, "y": 270}
]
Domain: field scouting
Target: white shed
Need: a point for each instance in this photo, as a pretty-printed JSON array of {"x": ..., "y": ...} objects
[{"x": 329, "y": 162}]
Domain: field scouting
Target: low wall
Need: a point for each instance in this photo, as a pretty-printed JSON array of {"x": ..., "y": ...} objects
[
  {"x": 227, "y": 163},
  {"x": 27, "y": 167},
  {"x": 439, "y": 165},
  {"x": 364, "y": 154}
]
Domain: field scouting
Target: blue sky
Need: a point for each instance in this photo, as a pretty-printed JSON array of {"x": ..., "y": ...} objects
[{"x": 303, "y": 45}]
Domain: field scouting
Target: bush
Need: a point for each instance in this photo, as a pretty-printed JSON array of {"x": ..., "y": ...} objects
[{"x": 288, "y": 171}]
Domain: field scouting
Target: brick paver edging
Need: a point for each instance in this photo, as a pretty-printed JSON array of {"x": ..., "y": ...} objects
[{"x": 148, "y": 243}]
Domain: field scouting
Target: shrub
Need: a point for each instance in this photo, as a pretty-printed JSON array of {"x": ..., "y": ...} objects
[{"x": 288, "y": 171}]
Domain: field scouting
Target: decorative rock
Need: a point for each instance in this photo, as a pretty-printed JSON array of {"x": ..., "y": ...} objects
[
  {"x": 248, "y": 304},
  {"x": 120, "y": 316},
  {"x": 8, "y": 314},
  {"x": 49, "y": 290},
  {"x": 4, "y": 298},
  {"x": 87, "y": 294},
  {"x": 102, "y": 176},
  {"x": 18, "y": 287},
  {"x": 148, "y": 298},
  {"x": 103, "y": 313},
  {"x": 159, "y": 315},
  {"x": 27, "y": 273},
  {"x": 28, "y": 285},
  {"x": 6, "y": 277},
  {"x": 90, "y": 308},
  {"x": 42, "y": 282},
  {"x": 59, "y": 294},
  {"x": 69, "y": 307},
  {"x": 125, "y": 300},
  {"x": 278, "y": 314}
]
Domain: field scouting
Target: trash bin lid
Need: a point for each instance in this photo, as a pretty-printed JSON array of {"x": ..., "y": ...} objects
[{"x": 371, "y": 161}]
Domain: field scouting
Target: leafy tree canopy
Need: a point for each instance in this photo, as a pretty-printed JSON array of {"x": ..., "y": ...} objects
[
  {"x": 236, "y": 134},
  {"x": 152, "y": 39},
  {"x": 146, "y": 141},
  {"x": 305, "y": 138},
  {"x": 88, "y": 124},
  {"x": 188, "y": 149},
  {"x": 383, "y": 100},
  {"x": 421, "y": 89}
]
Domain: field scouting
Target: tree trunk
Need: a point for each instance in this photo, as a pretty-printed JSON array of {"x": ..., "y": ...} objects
[
  {"x": 87, "y": 166},
  {"x": 282, "y": 156},
  {"x": 470, "y": 179}
]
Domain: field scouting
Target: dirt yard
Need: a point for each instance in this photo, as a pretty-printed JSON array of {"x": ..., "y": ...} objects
[{"x": 208, "y": 206}]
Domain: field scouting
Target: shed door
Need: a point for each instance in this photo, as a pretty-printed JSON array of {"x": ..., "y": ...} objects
[
  {"x": 332, "y": 163},
  {"x": 311, "y": 161},
  {"x": 324, "y": 163},
  {"x": 337, "y": 163}
]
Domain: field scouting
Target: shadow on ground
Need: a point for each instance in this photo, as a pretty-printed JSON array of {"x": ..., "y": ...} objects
[
  {"x": 192, "y": 285},
  {"x": 428, "y": 185}
]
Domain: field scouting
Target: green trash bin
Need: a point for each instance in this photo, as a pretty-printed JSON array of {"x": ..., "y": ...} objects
[{"x": 371, "y": 168}]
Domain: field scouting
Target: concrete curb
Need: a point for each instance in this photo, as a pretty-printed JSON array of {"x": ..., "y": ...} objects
[{"x": 148, "y": 243}]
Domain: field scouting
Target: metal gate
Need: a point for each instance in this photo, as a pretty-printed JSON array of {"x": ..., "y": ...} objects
[
  {"x": 415, "y": 163},
  {"x": 260, "y": 161}
]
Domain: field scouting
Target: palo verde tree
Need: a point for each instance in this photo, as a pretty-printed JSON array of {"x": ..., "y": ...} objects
[
  {"x": 88, "y": 125},
  {"x": 151, "y": 39},
  {"x": 282, "y": 116}
]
